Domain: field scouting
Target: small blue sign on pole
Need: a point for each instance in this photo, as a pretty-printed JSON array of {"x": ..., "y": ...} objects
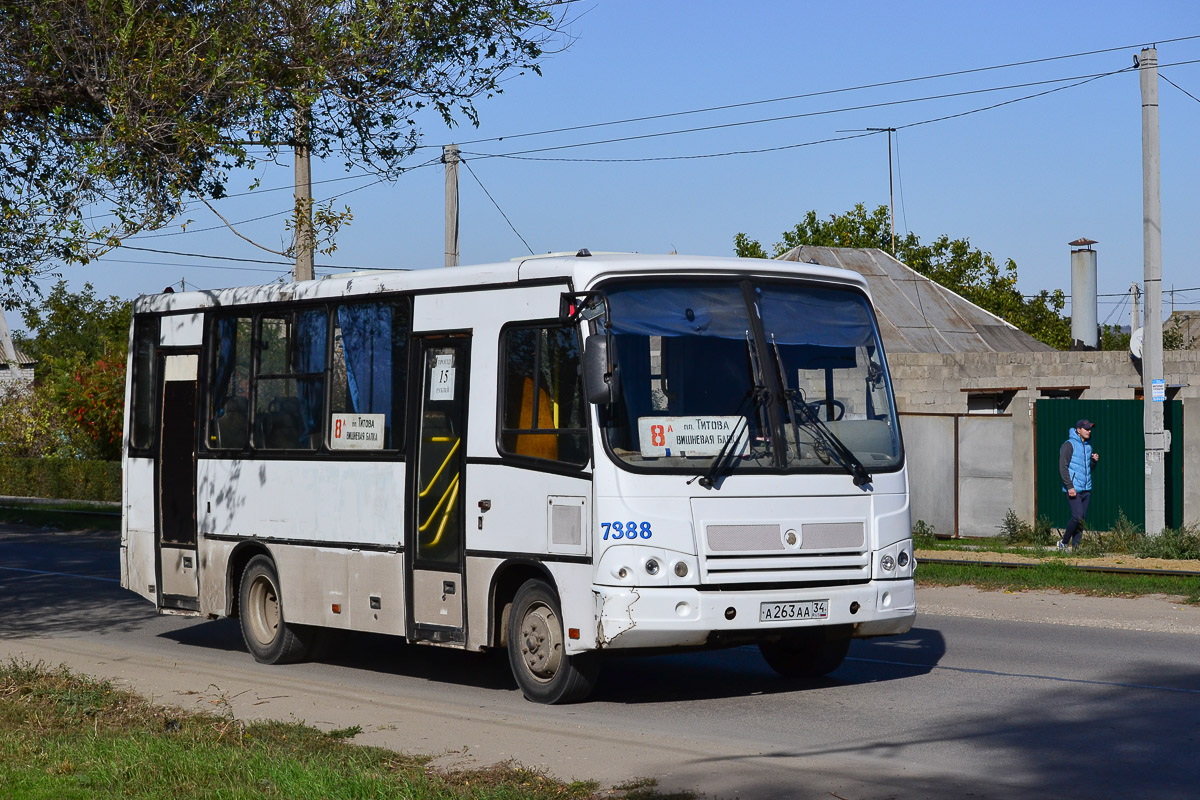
[{"x": 1158, "y": 390}]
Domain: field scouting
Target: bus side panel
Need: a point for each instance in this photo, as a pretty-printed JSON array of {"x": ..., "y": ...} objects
[
  {"x": 319, "y": 501},
  {"x": 339, "y": 588},
  {"x": 533, "y": 516},
  {"x": 137, "y": 533}
]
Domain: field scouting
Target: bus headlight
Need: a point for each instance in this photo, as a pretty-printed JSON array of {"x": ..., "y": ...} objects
[
  {"x": 902, "y": 559},
  {"x": 888, "y": 563},
  {"x": 681, "y": 569},
  {"x": 652, "y": 566}
]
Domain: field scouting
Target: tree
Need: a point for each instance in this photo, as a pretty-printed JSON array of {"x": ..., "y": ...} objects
[
  {"x": 79, "y": 342},
  {"x": 115, "y": 113},
  {"x": 954, "y": 263}
]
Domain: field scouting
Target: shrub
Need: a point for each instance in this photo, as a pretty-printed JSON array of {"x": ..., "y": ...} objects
[
  {"x": 1171, "y": 543},
  {"x": 61, "y": 478},
  {"x": 1017, "y": 531}
]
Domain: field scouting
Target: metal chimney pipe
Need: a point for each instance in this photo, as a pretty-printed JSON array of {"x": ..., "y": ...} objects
[{"x": 1085, "y": 329}]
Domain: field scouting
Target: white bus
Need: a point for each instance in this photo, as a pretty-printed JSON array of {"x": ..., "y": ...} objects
[{"x": 559, "y": 456}]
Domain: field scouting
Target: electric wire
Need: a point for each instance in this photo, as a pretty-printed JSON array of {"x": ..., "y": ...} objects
[
  {"x": 1180, "y": 88},
  {"x": 823, "y": 112},
  {"x": 497, "y": 205},
  {"x": 806, "y": 95}
]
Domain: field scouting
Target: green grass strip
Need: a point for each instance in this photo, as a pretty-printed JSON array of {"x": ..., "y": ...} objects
[
  {"x": 1056, "y": 574},
  {"x": 66, "y": 736}
]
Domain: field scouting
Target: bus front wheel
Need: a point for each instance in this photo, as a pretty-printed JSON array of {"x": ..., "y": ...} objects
[
  {"x": 807, "y": 654},
  {"x": 537, "y": 654},
  {"x": 269, "y": 638}
]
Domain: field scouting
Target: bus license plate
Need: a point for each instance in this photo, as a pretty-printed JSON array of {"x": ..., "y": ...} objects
[{"x": 778, "y": 612}]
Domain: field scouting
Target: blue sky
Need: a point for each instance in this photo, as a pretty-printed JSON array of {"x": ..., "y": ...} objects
[{"x": 1020, "y": 181}]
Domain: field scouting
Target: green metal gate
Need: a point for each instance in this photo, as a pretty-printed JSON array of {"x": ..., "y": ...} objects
[{"x": 1119, "y": 479}]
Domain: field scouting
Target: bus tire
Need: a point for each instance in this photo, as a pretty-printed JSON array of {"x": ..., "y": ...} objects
[
  {"x": 268, "y": 636},
  {"x": 537, "y": 653},
  {"x": 807, "y": 654}
]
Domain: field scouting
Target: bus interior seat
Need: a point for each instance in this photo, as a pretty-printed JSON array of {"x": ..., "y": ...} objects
[
  {"x": 536, "y": 445},
  {"x": 231, "y": 424}
]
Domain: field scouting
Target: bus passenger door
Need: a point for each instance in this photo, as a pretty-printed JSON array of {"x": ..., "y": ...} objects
[
  {"x": 175, "y": 479},
  {"x": 436, "y": 518}
]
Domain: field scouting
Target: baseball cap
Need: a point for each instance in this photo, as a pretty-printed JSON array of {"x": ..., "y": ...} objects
[{"x": 1083, "y": 423}]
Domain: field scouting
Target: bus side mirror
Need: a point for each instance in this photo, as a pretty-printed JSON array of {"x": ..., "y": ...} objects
[{"x": 600, "y": 385}]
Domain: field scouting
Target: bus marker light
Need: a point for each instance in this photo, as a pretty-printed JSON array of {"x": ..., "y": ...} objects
[
  {"x": 681, "y": 569},
  {"x": 337, "y": 608},
  {"x": 573, "y": 633},
  {"x": 622, "y": 573}
]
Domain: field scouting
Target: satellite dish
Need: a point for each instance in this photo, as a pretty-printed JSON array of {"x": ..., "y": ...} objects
[{"x": 1135, "y": 344}]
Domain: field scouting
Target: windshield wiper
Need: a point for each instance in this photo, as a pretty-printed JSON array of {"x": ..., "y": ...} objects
[
  {"x": 825, "y": 438},
  {"x": 759, "y": 397}
]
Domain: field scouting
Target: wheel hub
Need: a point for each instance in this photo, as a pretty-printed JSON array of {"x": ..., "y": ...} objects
[{"x": 541, "y": 647}]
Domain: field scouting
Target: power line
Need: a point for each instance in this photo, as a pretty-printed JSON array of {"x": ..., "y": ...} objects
[
  {"x": 877, "y": 85},
  {"x": 1180, "y": 88},
  {"x": 806, "y": 114},
  {"x": 673, "y": 158},
  {"x": 497, "y": 205}
]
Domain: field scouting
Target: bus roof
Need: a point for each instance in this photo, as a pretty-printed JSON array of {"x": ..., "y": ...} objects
[{"x": 581, "y": 269}]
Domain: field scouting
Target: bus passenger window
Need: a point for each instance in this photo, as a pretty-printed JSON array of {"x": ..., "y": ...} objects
[
  {"x": 289, "y": 388},
  {"x": 370, "y": 364},
  {"x": 229, "y": 400},
  {"x": 542, "y": 414},
  {"x": 145, "y": 342}
]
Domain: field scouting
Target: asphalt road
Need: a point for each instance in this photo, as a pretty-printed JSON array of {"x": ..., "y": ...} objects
[{"x": 1037, "y": 695}]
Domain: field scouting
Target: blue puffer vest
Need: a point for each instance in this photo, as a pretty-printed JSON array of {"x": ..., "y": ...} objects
[{"x": 1081, "y": 463}]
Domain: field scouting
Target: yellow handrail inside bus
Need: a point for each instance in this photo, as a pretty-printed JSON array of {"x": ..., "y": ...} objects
[
  {"x": 452, "y": 493},
  {"x": 446, "y": 461}
]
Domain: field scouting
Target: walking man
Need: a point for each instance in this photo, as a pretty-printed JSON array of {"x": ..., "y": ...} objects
[{"x": 1075, "y": 460}]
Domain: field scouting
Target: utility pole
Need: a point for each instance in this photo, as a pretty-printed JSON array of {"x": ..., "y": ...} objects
[
  {"x": 1154, "y": 390},
  {"x": 304, "y": 202},
  {"x": 891, "y": 192},
  {"x": 450, "y": 159}
]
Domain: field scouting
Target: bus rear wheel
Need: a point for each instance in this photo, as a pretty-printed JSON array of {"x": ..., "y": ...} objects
[
  {"x": 537, "y": 654},
  {"x": 807, "y": 654},
  {"x": 268, "y": 636}
]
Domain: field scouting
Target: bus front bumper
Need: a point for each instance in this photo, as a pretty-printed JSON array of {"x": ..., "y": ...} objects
[{"x": 682, "y": 616}]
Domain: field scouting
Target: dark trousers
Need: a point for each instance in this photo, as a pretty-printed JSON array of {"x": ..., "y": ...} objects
[{"x": 1079, "y": 507}]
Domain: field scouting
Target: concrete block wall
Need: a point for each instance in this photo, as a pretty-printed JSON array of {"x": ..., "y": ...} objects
[{"x": 932, "y": 391}]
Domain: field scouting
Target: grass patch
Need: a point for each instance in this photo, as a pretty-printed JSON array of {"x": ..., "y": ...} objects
[
  {"x": 66, "y": 519},
  {"x": 1056, "y": 574},
  {"x": 68, "y": 736},
  {"x": 1018, "y": 536}
]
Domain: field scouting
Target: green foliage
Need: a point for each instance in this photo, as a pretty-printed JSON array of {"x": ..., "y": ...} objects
[
  {"x": 1173, "y": 543},
  {"x": 1019, "y": 532},
  {"x": 1113, "y": 338},
  {"x": 954, "y": 263},
  {"x": 1176, "y": 336},
  {"x": 65, "y": 478},
  {"x": 115, "y": 113},
  {"x": 924, "y": 534},
  {"x": 80, "y": 342}
]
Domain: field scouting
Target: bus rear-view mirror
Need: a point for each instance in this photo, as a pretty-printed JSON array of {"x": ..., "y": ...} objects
[{"x": 599, "y": 375}]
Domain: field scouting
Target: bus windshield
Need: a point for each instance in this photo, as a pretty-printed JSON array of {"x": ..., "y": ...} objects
[{"x": 793, "y": 372}]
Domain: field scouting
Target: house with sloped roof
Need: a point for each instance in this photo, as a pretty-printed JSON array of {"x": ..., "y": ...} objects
[{"x": 16, "y": 369}]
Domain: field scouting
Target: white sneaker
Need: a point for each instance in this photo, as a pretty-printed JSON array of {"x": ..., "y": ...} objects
[{"x": 1059, "y": 545}]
